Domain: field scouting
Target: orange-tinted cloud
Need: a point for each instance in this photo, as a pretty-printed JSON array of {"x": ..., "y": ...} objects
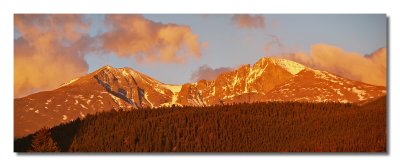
[
  {"x": 205, "y": 72},
  {"x": 49, "y": 51},
  {"x": 148, "y": 41},
  {"x": 248, "y": 21},
  {"x": 369, "y": 69}
]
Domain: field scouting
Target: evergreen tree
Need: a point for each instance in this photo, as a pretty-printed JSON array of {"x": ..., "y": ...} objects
[
  {"x": 257, "y": 127},
  {"x": 42, "y": 142}
]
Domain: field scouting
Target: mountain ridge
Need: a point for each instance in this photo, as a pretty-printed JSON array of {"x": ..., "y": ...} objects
[{"x": 269, "y": 79}]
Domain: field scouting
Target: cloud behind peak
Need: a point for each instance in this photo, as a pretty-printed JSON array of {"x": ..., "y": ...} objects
[
  {"x": 50, "y": 49},
  {"x": 205, "y": 72},
  {"x": 249, "y": 21},
  {"x": 148, "y": 41},
  {"x": 369, "y": 69}
]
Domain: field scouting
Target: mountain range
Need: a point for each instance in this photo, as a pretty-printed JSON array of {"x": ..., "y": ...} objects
[{"x": 269, "y": 79}]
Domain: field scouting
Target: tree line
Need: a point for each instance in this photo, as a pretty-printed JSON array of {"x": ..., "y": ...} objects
[{"x": 256, "y": 127}]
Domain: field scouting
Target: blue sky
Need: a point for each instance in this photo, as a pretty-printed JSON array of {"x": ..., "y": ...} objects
[{"x": 229, "y": 45}]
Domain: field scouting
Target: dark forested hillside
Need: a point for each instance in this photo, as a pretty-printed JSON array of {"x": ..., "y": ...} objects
[{"x": 257, "y": 127}]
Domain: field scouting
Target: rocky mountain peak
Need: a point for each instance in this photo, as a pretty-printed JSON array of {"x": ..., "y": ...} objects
[{"x": 270, "y": 79}]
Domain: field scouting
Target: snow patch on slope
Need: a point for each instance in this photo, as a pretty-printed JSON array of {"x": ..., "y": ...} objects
[
  {"x": 360, "y": 93},
  {"x": 338, "y": 92},
  {"x": 48, "y": 101},
  {"x": 147, "y": 99},
  {"x": 175, "y": 89},
  {"x": 213, "y": 92},
  {"x": 320, "y": 74},
  {"x": 83, "y": 106},
  {"x": 235, "y": 80},
  {"x": 290, "y": 66},
  {"x": 124, "y": 73},
  {"x": 70, "y": 82},
  {"x": 82, "y": 115},
  {"x": 255, "y": 73},
  {"x": 116, "y": 100}
]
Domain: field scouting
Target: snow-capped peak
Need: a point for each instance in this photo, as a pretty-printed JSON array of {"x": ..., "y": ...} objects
[{"x": 290, "y": 66}]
